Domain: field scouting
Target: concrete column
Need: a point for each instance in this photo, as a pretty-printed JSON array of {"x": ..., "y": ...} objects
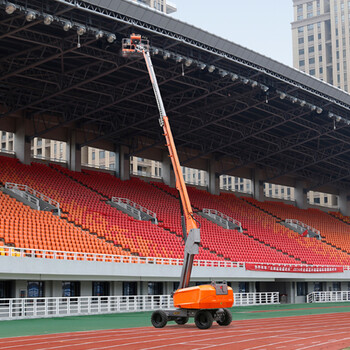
[
  {"x": 300, "y": 195},
  {"x": 73, "y": 152},
  {"x": 22, "y": 142},
  {"x": 258, "y": 184},
  {"x": 344, "y": 202},
  {"x": 85, "y": 288},
  {"x": 290, "y": 290},
  {"x": 57, "y": 288},
  {"x": 212, "y": 177},
  {"x": 167, "y": 170},
  {"x": 122, "y": 163},
  {"x": 334, "y": 200}
]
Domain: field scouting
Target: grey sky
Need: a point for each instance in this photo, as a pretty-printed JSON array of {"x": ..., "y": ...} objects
[{"x": 259, "y": 25}]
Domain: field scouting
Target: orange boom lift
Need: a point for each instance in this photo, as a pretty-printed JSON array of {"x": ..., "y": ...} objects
[{"x": 206, "y": 303}]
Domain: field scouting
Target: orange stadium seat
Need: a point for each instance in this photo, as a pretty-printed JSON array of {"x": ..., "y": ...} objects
[
  {"x": 89, "y": 225},
  {"x": 332, "y": 230}
]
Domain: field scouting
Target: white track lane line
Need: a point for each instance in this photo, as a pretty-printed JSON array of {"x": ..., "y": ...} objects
[
  {"x": 197, "y": 333},
  {"x": 174, "y": 333},
  {"x": 221, "y": 344},
  {"x": 72, "y": 337},
  {"x": 233, "y": 329},
  {"x": 326, "y": 343},
  {"x": 132, "y": 330},
  {"x": 64, "y": 335},
  {"x": 288, "y": 341},
  {"x": 103, "y": 334}
]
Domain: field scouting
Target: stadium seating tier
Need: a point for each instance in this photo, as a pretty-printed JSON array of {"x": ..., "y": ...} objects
[{"x": 90, "y": 224}]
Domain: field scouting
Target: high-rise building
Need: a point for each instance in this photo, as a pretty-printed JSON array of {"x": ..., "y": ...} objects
[
  {"x": 321, "y": 39},
  {"x": 165, "y": 6},
  {"x": 7, "y": 142},
  {"x": 321, "y": 46}
]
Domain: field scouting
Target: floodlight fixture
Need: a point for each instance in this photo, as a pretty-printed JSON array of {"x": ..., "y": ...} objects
[
  {"x": 319, "y": 110},
  {"x": 99, "y": 34},
  {"x": 166, "y": 55},
  {"x": 67, "y": 26},
  {"x": 111, "y": 38},
  {"x": 179, "y": 58},
  {"x": 294, "y": 100},
  {"x": 338, "y": 118},
  {"x": 211, "y": 69},
  {"x": 264, "y": 88},
  {"x": 302, "y": 103},
  {"x": 81, "y": 30},
  {"x": 330, "y": 115},
  {"x": 234, "y": 77},
  {"x": 48, "y": 19},
  {"x": 30, "y": 16},
  {"x": 245, "y": 81},
  {"x": 10, "y": 8},
  {"x": 188, "y": 62},
  {"x": 282, "y": 95},
  {"x": 313, "y": 107},
  {"x": 202, "y": 65},
  {"x": 254, "y": 84},
  {"x": 155, "y": 51},
  {"x": 223, "y": 73}
]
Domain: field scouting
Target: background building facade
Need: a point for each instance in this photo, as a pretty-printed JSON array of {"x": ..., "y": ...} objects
[
  {"x": 56, "y": 151},
  {"x": 321, "y": 34},
  {"x": 321, "y": 39},
  {"x": 160, "y": 5}
]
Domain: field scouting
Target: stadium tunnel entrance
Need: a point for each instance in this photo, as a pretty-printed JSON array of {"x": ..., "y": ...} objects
[{"x": 284, "y": 288}]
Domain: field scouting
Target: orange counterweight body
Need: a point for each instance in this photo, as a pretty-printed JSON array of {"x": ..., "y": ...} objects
[{"x": 202, "y": 297}]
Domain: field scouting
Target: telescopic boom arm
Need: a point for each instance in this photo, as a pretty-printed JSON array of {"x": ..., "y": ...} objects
[{"x": 137, "y": 45}]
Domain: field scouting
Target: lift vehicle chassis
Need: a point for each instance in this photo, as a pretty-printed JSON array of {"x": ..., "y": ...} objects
[{"x": 203, "y": 318}]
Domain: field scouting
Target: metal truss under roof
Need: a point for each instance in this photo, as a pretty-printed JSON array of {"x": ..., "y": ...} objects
[{"x": 220, "y": 103}]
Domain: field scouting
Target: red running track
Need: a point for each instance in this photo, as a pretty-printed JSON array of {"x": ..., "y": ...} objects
[{"x": 330, "y": 331}]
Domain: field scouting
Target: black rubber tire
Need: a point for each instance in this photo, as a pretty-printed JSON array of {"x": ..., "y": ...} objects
[
  {"x": 181, "y": 320},
  {"x": 203, "y": 319},
  {"x": 227, "y": 319},
  {"x": 159, "y": 319}
]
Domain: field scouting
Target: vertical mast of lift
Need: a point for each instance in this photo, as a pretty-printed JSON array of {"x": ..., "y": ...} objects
[{"x": 192, "y": 230}]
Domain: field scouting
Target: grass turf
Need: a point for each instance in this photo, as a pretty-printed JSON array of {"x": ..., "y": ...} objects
[{"x": 17, "y": 328}]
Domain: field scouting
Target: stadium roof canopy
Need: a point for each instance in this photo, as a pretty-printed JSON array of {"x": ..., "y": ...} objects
[{"x": 224, "y": 101}]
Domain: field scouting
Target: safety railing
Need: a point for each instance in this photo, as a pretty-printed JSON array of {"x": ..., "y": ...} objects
[
  {"x": 145, "y": 174},
  {"x": 4, "y": 150},
  {"x": 201, "y": 183},
  {"x": 328, "y": 296},
  {"x": 18, "y": 190},
  {"x": 20, "y": 308},
  {"x": 99, "y": 166},
  {"x": 223, "y": 216},
  {"x": 282, "y": 196},
  {"x": 50, "y": 159},
  {"x": 132, "y": 205},
  {"x": 299, "y": 223},
  {"x": 256, "y": 298},
  {"x": 26, "y": 189},
  {"x": 130, "y": 259}
]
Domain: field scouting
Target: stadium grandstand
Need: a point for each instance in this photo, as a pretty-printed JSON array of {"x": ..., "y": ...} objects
[{"x": 80, "y": 240}]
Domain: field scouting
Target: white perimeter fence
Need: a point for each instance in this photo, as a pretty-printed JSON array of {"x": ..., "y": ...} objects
[
  {"x": 59, "y": 307},
  {"x": 326, "y": 297}
]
